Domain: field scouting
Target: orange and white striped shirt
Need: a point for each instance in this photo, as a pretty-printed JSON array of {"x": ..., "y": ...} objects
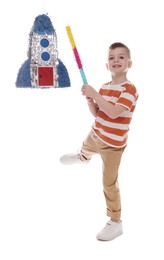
[{"x": 114, "y": 132}]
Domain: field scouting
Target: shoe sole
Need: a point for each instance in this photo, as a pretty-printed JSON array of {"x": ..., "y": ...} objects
[{"x": 109, "y": 239}]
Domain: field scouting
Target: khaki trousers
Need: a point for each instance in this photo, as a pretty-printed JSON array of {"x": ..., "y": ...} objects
[{"x": 111, "y": 158}]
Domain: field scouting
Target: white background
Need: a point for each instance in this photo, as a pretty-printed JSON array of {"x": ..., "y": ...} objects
[{"x": 50, "y": 211}]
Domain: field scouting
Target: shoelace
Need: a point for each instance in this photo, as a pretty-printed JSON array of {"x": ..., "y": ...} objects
[{"x": 108, "y": 225}]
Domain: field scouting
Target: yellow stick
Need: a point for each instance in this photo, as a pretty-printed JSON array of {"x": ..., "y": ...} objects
[{"x": 70, "y": 36}]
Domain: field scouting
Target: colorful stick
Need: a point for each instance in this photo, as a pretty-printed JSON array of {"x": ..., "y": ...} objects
[{"x": 76, "y": 54}]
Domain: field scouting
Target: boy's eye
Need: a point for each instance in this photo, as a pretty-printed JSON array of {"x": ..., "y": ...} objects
[
  {"x": 121, "y": 57},
  {"x": 111, "y": 58}
]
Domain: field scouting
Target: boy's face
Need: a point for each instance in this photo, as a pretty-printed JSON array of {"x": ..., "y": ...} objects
[{"x": 118, "y": 61}]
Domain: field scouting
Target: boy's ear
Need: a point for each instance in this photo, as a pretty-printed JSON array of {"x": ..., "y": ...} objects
[{"x": 130, "y": 64}]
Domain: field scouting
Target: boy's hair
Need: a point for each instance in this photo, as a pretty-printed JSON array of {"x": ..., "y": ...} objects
[{"x": 120, "y": 45}]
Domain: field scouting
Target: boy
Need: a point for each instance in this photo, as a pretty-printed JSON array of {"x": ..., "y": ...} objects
[{"x": 112, "y": 107}]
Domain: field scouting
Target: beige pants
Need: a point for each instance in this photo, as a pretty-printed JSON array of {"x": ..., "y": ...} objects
[{"x": 111, "y": 158}]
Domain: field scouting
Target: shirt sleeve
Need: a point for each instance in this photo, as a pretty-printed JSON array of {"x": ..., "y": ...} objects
[{"x": 127, "y": 97}]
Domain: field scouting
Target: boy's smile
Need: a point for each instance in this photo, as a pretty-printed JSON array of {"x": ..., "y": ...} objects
[{"x": 116, "y": 65}]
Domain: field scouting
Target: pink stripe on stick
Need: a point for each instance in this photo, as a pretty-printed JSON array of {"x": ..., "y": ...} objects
[{"x": 77, "y": 57}]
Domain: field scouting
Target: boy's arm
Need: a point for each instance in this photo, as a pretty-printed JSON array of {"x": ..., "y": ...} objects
[
  {"x": 92, "y": 106},
  {"x": 111, "y": 110}
]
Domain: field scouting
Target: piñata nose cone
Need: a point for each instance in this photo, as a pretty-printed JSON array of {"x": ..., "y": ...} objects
[
  {"x": 43, "y": 25},
  {"x": 43, "y": 68}
]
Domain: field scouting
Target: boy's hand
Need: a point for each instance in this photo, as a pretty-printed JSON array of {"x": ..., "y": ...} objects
[{"x": 88, "y": 91}]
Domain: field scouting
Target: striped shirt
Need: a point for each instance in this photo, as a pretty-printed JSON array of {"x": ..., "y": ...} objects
[{"x": 114, "y": 132}]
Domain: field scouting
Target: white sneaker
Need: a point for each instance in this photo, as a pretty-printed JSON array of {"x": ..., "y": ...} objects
[
  {"x": 72, "y": 158},
  {"x": 110, "y": 231}
]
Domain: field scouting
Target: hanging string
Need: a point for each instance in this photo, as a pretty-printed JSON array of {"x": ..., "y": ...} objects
[{"x": 43, "y": 6}]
